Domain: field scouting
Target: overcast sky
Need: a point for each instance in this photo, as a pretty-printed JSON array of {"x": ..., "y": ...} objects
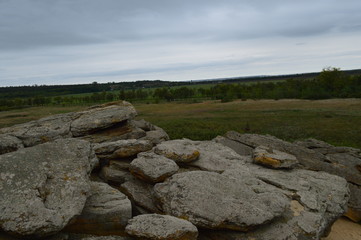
[{"x": 81, "y": 41}]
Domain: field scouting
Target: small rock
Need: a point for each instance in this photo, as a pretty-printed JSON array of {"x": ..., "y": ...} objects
[
  {"x": 142, "y": 124},
  {"x": 141, "y": 194},
  {"x": 106, "y": 212},
  {"x": 156, "y": 136},
  {"x": 181, "y": 151},
  {"x": 115, "y": 176},
  {"x": 152, "y": 167},
  {"x": 161, "y": 227},
  {"x": 273, "y": 158}
]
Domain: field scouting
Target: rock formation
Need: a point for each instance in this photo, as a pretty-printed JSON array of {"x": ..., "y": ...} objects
[{"x": 102, "y": 174}]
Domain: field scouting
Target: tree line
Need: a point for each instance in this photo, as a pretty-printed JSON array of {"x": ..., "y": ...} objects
[{"x": 330, "y": 83}]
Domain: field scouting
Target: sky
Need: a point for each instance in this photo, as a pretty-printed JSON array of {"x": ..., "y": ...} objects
[{"x": 81, "y": 41}]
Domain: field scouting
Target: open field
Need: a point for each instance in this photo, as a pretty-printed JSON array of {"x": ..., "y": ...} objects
[{"x": 336, "y": 121}]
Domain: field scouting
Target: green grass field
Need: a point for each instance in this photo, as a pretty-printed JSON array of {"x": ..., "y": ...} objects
[{"x": 336, "y": 121}]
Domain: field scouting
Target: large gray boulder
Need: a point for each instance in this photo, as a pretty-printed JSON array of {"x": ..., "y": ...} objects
[
  {"x": 161, "y": 227},
  {"x": 218, "y": 201},
  {"x": 101, "y": 117},
  {"x": 42, "y": 130},
  {"x": 122, "y": 148},
  {"x": 316, "y": 200},
  {"x": 45, "y": 186},
  {"x": 106, "y": 212},
  {"x": 153, "y": 168}
]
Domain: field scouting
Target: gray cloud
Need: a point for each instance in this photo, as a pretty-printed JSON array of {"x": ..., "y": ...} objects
[{"x": 52, "y": 34}]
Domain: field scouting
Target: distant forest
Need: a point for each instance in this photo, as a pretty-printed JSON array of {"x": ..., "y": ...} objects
[{"x": 330, "y": 83}]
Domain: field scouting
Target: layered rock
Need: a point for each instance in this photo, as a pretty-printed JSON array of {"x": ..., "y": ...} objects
[
  {"x": 161, "y": 227},
  {"x": 122, "y": 148},
  {"x": 45, "y": 186}
]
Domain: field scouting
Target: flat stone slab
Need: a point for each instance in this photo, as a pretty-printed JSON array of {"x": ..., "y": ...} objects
[
  {"x": 101, "y": 117},
  {"x": 122, "y": 148},
  {"x": 273, "y": 158},
  {"x": 217, "y": 201},
  {"x": 106, "y": 212},
  {"x": 161, "y": 227},
  {"x": 151, "y": 167},
  {"x": 217, "y": 157},
  {"x": 182, "y": 151},
  {"x": 45, "y": 186}
]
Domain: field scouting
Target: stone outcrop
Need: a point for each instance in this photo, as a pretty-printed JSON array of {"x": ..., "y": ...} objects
[
  {"x": 46, "y": 191},
  {"x": 161, "y": 227},
  {"x": 152, "y": 167},
  {"x": 317, "y": 156},
  {"x": 44, "y": 187}
]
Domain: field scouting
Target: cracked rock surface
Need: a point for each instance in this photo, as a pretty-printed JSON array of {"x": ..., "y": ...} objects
[
  {"x": 41, "y": 189},
  {"x": 161, "y": 227},
  {"x": 220, "y": 201}
]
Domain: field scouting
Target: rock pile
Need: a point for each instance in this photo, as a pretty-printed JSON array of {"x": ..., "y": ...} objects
[{"x": 101, "y": 174}]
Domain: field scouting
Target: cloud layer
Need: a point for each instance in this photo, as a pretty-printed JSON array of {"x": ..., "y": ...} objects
[{"x": 80, "y": 41}]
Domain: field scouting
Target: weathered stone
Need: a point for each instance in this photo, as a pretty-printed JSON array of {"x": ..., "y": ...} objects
[
  {"x": 101, "y": 117},
  {"x": 42, "y": 130},
  {"x": 141, "y": 194},
  {"x": 142, "y": 124},
  {"x": 119, "y": 165},
  {"x": 151, "y": 167},
  {"x": 161, "y": 227},
  {"x": 106, "y": 212},
  {"x": 318, "y": 199},
  {"x": 122, "y": 148},
  {"x": 221, "y": 201},
  {"x": 217, "y": 157},
  {"x": 44, "y": 186},
  {"x": 72, "y": 236},
  {"x": 273, "y": 158},
  {"x": 354, "y": 204},
  {"x": 182, "y": 151},
  {"x": 115, "y": 176},
  {"x": 156, "y": 136},
  {"x": 9, "y": 143},
  {"x": 238, "y": 147}
]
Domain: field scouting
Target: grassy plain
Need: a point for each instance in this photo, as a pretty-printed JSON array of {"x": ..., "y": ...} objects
[{"x": 336, "y": 121}]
